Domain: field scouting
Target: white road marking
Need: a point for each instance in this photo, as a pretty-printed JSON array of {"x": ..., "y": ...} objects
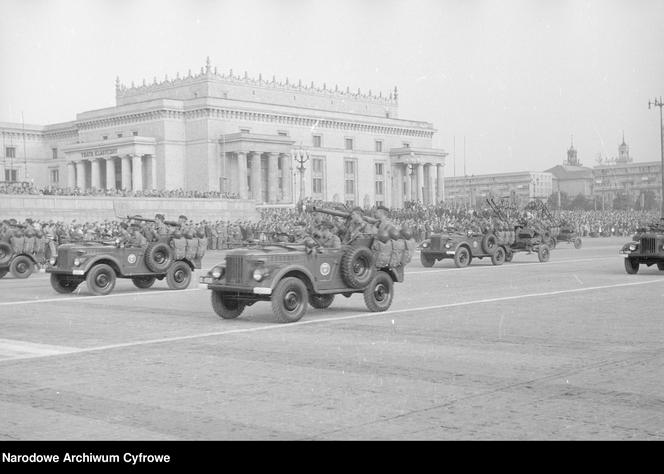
[
  {"x": 271, "y": 327},
  {"x": 79, "y": 299},
  {"x": 11, "y": 348},
  {"x": 507, "y": 265}
]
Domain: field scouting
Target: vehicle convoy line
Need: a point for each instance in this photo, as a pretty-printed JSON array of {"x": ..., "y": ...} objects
[{"x": 330, "y": 320}]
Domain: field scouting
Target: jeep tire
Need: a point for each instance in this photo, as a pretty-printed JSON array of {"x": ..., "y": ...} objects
[
  {"x": 158, "y": 257},
  {"x": 489, "y": 243},
  {"x": 543, "y": 253},
  {"x": 289, "y": 300},
  {"x": 178, "y": 276},
  {"x": 462, "y": 257},
  {"x": 320, "y": 301},
  {"x": 378, "y": 295},
  {"x": 64, "y": 283},
  {"x": 143, "y": 281},
  {"x": 427, "y": 260},
  {"x": 101, "y": 279},
  {"x": 578, "y": 243},
  {"x": 509, "y": 255},
  {"x": 226, "y": 307},
  {"x": 22, "y": 266},
  {"x": 498, "y": 257},
  {"x": 631, "y": 265},
  {"x": 357, "y": 267},
  {"x": 5, "y": 253}
]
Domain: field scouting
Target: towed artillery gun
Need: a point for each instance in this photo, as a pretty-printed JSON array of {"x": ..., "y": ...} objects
[
  {"x": 559, "y": 231},
  {"x": 100, "y": 263},
  {"x": 523, "y": 238},
  {"x": 292, "y": 276}
]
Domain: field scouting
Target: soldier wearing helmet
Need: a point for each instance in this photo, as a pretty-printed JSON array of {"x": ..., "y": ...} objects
[
  {"x": 355, "y": 225},
  {"x": 382, "y": 214}
]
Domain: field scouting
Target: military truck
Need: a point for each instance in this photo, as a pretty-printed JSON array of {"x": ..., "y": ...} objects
[
  {"x": 23, "y": 254},
  {"x": 100, "y": 263},
  {"x": 462, "y": 247},
  {"x": 292, "y": 276},
  {"x": 647, "y": 248}
]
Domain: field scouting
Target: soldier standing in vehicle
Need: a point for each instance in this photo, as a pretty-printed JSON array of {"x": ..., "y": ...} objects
[
  {"x": 355, "y": 225},
  {"x": 383, "y": 216},
  {"x": 160, "y": 226}
]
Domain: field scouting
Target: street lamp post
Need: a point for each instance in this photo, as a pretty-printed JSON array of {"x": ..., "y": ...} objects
[
  {"x": 659, "y": 103},
  {"x": 301, "y": 158}
]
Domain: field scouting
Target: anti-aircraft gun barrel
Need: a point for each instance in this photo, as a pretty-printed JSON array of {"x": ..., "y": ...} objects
[
  {"x": 345, "y": 215},
  {"x": 145, "y": 219}
]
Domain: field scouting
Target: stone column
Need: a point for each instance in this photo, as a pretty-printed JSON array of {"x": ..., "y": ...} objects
[
  {"x": 287, "y": 178},
  {"x": 420, "y": 182},
  {"x": 153, "y": 172},
  {"x": 136, "y": 173},
  {"x": 242, "y": 174},
  {"x": 440, "y": 183},
  {"x": 80, "y": 175},
  {"x": 256, "y": 191},
  {"x": 94, "y": 174},
  {"x": 409, "y": 184},
  {"x": 110, "y": 173},
  {"x": 126, "y": 173},
  {"x": 71, "y": 174},
  {"x": 273, "y": 178}
]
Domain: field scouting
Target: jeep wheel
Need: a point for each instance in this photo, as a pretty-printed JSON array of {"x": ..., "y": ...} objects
[
  {"x": 427, "y": 260},
  {"x": 498, "y": 257},
  {"x": 489, "y": 243},
  {"x": 321, "y": 301},
  {"x": 462, "y": 257},
  {"x": 553, "y": 243},
  {"x": 357, "y": 267},
  {"x": 143, "y": 281},
  {"x": 22, "y": 267},
  {"x": 101, "y": 279},
  {"x": 378, "y": 295},
  {"x": 178, "y": 276},
  {"x": 509, "y": 255},
  {"x": 577, "y": 243},
  {"x": 289, "y": 300},
  {"x": 631, "y": 265},
  {"x": 543, "y": 253},
  {"x": 158, "y": 257},
  {"x": 64, "y": 283},
  {"x": 5, "y": 253},
  {"x": 225, "y": 307},
  {"x": 3, "y": 272}
]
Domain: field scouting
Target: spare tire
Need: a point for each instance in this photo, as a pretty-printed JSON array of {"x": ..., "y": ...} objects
[
  {"x": 357, "y": 267},
  {"x": 158, "y": 257},
  {"x": 5, "y": 253},
  {"x": 489, "y": 243}
]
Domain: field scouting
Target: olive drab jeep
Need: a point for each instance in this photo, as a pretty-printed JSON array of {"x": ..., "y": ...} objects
[
  {"x": 292, "y": 276},
  {"x": 462, "y": 247},
  {"x": 646, "y": 248},
  {"x": 99, "y": 264},
  {"x": 21, "y": 254}
]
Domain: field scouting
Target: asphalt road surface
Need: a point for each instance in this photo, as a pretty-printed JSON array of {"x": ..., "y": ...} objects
[{"x": 569, "y": 349}]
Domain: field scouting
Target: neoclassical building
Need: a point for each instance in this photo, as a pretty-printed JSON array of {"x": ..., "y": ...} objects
[{"x": 265, "y": 140}]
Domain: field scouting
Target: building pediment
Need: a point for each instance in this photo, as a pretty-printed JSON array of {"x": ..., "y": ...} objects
[{"x": 419, "y": 155}]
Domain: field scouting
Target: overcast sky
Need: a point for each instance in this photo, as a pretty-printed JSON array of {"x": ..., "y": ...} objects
[{"x": 516, "y": 78}]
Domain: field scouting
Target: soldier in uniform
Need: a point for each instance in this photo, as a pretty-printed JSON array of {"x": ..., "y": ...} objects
[
  {"x": 299, "y": 232},
  {"x": 327, "y": 238},
  {"x": 355, "y": 225},
  {"x": 383, "y": 216}
]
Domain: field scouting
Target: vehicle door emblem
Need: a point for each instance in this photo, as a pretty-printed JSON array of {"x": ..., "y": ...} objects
[
  {"x": 131, "y": 258},
  {"x": 325, "y": 269}
]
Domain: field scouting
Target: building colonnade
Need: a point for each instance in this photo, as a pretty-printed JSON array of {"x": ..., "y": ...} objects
[
  {"x": 419, "y": 181},
  {"x": 262, "y": 176},
  {"x": 127, "y": 172}
]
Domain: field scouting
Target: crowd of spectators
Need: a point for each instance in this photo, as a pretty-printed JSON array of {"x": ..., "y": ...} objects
[{"x": 29, "y": 188}]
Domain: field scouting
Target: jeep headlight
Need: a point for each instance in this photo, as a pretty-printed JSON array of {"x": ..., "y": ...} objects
[
  {"x": 447, "y": 245},
  {"x": 217, "y": 272},
  {"x": 259, "y": 274},
  {"x": 425, "y": 244},
  {"x": 632, "y": 247},
  {"x": 52, "y": 261},
  {"x": 77, "y": 262}
]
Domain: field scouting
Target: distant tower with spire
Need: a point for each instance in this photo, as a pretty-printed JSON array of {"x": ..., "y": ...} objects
[
  {"x": 572, "y": 158},
  {"x": 623, "y": 152}
]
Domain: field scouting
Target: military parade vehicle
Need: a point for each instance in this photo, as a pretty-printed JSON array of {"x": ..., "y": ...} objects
[
  {"x": 100, "y": 263},
  {"x": 525, "y": 237},
  {"x": 647, "y": 248},
  {"x": 292, "y": 276},
  {"x": 558, "y": 229},
  {"x": 462, "y": 247},
  {"x": 23, "y": 253}
]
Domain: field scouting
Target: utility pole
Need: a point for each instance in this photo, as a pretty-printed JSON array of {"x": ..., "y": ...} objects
[{"x": 659, "y": 103}]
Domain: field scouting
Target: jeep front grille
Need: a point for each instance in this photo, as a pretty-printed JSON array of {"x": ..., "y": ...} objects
[
  {"x": 435, "y": 242},
  {"x": 648, "y": 245},
  {"x": 234, "y": 268}
]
